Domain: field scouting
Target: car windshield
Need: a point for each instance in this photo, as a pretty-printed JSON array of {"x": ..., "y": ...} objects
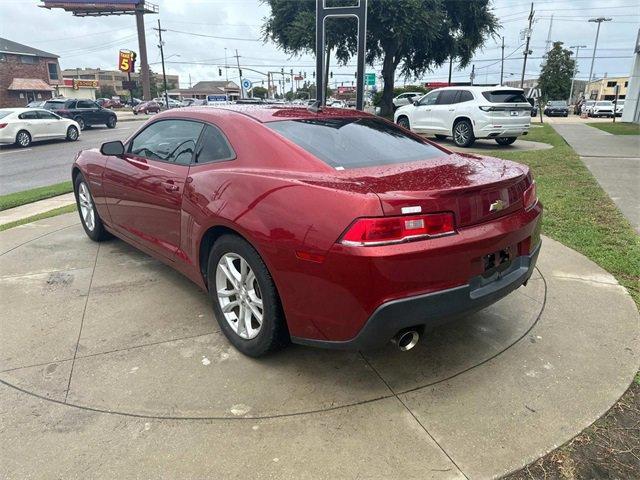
[
  {"x": 55, "y": 105},
  {"x": 557, "y": 103},
  {"x": 355, "y": 142},
  {"x": 604, "y": 104},
  {"x": 4, "y": 113},
  {"x": 505, "y": 96}
]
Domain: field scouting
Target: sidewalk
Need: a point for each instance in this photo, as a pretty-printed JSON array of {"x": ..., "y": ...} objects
[
  {"x": 30, "y": 209},
  {"x": 615, "y": 162}
]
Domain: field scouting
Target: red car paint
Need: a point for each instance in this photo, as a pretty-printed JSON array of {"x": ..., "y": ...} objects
[{"x": 293, "y": 208}]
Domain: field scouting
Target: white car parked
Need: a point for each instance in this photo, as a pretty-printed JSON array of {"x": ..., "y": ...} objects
[
  {"x": 619, "y": 108},
  {"x": 406, "y": 98},
  {"x": 25, "y": 125},
  {"x": 468, "y": 113},
  {"x": 602, "y": 108}
]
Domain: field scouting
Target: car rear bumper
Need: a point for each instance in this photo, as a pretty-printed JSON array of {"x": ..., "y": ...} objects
[
  {"x": 433, "y": 309},
  {"x": 502, "y": 127}
]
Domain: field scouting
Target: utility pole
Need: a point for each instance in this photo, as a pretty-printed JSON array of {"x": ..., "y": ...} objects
[
  {"x": 599, "y": 21},
  {"x": 526, "y": 48},
  {"x": 575, "y": 69},
  {"x": 164, "y": 74},
  {"x": 501, "y": 63},
  {"x": 226, "y": 66},
  {"x": 239, "y": 73},
  {"x": 451, "y": 67},
  {"x": 473, "y": 73}
]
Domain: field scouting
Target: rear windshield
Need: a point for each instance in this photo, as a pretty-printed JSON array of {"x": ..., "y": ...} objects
[
  {"x": 54, "y": 105},
  {"x": 505, "y": 96},
  {"x": 557, "y": 103},
  {"x": 355, "y": 142},
  {"x": 4, "y": 113}
]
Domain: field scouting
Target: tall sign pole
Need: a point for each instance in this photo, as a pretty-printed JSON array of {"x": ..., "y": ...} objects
[
  {"x": 322, "y": 13},
  {"x": 142, "y": 47},
  {"x": 501, "y": 64},
  {"x": 599, "y": 21}
]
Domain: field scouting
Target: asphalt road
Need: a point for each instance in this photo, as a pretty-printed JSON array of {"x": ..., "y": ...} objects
[{"x": 46, "y": 163}]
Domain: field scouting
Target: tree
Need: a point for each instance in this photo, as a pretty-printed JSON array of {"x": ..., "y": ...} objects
[
  {"x": 259, "y": 92},
  {"x": 412, "y": 35},
  {"x": 106, "y": 91},
  {"x": 557, "y": 72}
]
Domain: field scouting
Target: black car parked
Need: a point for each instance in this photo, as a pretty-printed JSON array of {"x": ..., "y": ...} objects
[
  {"x": 85, "y": 112},
  {"x": 556, "y": 108}
]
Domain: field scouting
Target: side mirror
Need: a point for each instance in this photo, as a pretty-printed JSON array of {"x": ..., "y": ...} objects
[
  {"x": 115, "y": 148},
  {"x": 416, "y": 103}
]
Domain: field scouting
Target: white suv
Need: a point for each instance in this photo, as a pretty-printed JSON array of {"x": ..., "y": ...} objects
[{"x": 468, "y": 113}]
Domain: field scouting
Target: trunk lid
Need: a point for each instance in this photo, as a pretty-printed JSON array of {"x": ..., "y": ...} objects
[{"x": 476, "y": 189}]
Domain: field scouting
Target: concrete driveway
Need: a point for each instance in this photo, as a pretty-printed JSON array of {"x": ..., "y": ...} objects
[
  {"x": 615, "y": 162},
  {"x": 112, "y": 366}
]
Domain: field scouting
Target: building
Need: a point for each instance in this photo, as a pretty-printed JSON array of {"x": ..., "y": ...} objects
[
  {"x": 26, "y": 74},
  {"x": 202, "y": 89},
  {"x": 529, "y": 83},
  {"x": 114, "y": 78},
  {"x": 631, "y": 111},
  {"x": 74, "y": 88},
  {"x": 604, "y": 88}
]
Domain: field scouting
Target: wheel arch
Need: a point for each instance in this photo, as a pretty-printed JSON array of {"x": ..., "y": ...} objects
[
  {"x": 460, "y": 118},
  {"x": 207, "y": 240}
]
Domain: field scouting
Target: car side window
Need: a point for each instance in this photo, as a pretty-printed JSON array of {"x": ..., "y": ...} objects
[
  {"x": 447, "y": 97},
  {"x": 429, "y": 99},
  {"x": 44, "y": 115},
  {"x": 85, "y": 104},
  {"x": 213, "y": 146},
  {"x": 465, "y": 96},
  {"x": 32, "y": 115},
  {"x": 172, "y": 141}
]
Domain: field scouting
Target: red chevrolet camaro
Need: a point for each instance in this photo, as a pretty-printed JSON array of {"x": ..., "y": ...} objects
[{"x": 332, "y": 228}]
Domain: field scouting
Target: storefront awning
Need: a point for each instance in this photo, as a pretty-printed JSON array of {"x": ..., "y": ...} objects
[{"x": 30, "y": 84}]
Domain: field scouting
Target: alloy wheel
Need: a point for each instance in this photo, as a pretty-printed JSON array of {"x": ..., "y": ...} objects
[
  {"x": 23, "y": 139},
  {"x": 461, "y": 133},
  {"x": 73, "y": 133},
  {"x": 239, "y": 295},
  {"x": 86, "y": 207}
]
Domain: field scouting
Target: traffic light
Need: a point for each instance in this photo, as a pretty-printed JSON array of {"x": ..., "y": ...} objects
[
  {"x": 314, "y": 74},
  {"x": 330, "y": 74},
  {"x": 305, "y": 75},
  {"x": 240, "y": 71},
  {"x": 219, "y": 72},
  {"x": 355, "y": 74}
]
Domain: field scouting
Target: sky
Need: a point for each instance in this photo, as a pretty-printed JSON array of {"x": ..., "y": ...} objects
[{"x": 200, "y": 33}]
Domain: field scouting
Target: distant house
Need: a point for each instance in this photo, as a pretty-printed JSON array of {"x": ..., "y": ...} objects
[
  {"x": 203, "y": 89},
  {"x": 26, "y": 74}
]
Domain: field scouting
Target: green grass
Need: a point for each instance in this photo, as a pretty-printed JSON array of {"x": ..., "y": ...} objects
[
  {"x": 39, "y": 216},
  {"x": 578, "y": 213},
  {"x": 29, "y": 196},
  {"x": 618, "y": 128}
]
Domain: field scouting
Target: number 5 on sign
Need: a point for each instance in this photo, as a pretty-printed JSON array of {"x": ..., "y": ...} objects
[{"x": 126, "y": 61}]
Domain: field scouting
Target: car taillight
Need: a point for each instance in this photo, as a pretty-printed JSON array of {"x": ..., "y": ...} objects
[
  {"x": 388, "y": 230},
  {"x": 530, "y": 196},
  {"x": 2, "y": 125},
  {"x": 487, "y": 109}
]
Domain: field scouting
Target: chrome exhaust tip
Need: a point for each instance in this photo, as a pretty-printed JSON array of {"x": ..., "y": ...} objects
[{"x": 406, "y": 340}]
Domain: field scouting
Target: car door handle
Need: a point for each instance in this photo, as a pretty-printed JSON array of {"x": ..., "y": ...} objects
[{"x": 170, "y": 186}]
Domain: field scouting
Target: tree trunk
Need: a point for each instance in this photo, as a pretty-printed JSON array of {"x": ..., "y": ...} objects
[{"x": 388, "y": 76}]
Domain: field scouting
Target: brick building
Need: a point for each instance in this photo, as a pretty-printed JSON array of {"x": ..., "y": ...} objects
[
  {"x": 114, "y": 78},
  {"x": 26, "y": 74}
]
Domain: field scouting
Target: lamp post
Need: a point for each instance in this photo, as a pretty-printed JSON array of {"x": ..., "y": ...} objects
[
  {"x": 599, "y": 21},
  {"x": 575, "y": 69}
]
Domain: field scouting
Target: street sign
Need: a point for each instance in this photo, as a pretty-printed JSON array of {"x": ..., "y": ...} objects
[
  {"x": 370, "y": 79},
  {"x": 127, "y": 61},
  {"x": 246, "y": 84}
]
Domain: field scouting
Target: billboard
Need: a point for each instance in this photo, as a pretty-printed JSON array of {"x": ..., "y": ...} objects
[
  {"x": 101, "y": 7},
  {"x": 126, "y": 61}
]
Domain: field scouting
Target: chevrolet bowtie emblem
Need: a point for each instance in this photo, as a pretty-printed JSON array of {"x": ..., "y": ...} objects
[{"x": 497, "y": 206}]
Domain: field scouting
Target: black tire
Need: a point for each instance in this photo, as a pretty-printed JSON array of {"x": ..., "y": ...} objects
[
  {"x": 81, "y": 123},
  {"x": 23, "y": 139},
  {"x": 440, "y": 137},
  {"x": 273, "y": 333},
  {"x": 72, "y": 134},
  {"x": 404, "y": 122},
  {"x": 98, "y": 233},
  {"x": 111, "y": 122},
  {"x": 505, "y": 140},
  {"x": 463, "y": 133},
  {"x": 565, "y": 115},
  {"x": 135, "y": 113}
]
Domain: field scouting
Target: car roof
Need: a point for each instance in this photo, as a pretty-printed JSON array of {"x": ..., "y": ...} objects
[
  {"x": 478, "y": 89},
  {"x": 273, "y": 113}
]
